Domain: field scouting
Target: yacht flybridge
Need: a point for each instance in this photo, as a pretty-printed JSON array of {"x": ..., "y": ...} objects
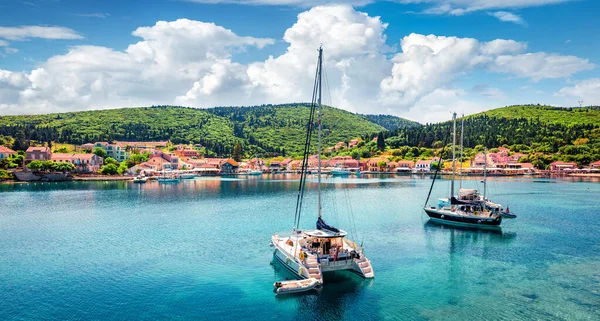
[
  {"x": 469, "y": 208},
  {"x": 310, "y": 253}
]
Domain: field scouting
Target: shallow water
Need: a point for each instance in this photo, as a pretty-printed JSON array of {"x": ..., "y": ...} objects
[{"x": 200, "y": 250}]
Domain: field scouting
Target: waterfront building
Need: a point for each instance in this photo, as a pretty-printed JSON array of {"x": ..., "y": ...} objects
[
  {"x": 37, "y": 153},
  {"x": 113, "y": 150},
  {"x": 423, "y": 166},
  {"x": 595, "y": 165},
  {"x": 6, "y": 152},
  {"x": 559, "y": 166},
  {"x": 405, "y": 166},
  {"x": 84, "y": 163}
]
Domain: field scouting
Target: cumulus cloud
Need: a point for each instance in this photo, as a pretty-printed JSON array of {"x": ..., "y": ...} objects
[
  {"x": 192, "y": 63},
  {"x": 354, "y": 60},
  {"x": 540, "y": 65},
  {"x": 430, "y": 62},
  {"x": 587, "y": 90}
]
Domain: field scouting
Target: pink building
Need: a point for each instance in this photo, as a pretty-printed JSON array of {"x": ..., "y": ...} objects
[
  {"x": 6, "y": 152},
  {"x": 84, "y": 163},
  {"x": 559, "y": 166},
  {"x": 38, "y": 153}
]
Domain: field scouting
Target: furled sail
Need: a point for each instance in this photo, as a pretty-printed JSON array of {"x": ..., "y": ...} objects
[{"x": 321, "y": 225}]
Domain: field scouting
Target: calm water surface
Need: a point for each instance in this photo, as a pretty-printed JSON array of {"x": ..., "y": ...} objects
[{"x": 200, "y": 250}]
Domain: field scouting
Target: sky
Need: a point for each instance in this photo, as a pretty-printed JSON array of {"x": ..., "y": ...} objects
[{"x": 417, "y": 59}]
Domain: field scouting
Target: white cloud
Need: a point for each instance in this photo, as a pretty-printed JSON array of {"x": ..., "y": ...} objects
[
  {"x": 299, "y": 3},
  {"x": 540, "y": 65},
  {"x": 10, "y": 50},
  {"x": 507, "y": 17},
  {"x": 354, "y": 46},
  {"x": 27, "y": 32},
  {"x": 430, "y": 62},
  {"x": 192, "y": 63},
  {"x": 3, "y": 43},
  {"x": 459, "y": 7},
  {"x": 587, "y": 90},
  {"x": 92, "y": 15}
]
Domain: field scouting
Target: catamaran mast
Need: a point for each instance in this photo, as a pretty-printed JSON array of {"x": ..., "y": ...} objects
[
  {"x": 462, "y": 134},
  {"x": 453, "y": 154},
  {"x": 319, "y": 135}
]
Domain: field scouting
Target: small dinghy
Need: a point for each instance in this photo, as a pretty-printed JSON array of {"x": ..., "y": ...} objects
[{"x": 295, "y": 286}]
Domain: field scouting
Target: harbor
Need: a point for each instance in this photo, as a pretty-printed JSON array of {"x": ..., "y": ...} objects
[{"x": 174, "y": 250}]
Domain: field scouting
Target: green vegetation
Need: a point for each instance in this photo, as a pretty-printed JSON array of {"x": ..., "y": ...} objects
[
  {"x": 390, "y": 122},
  {"x": 110, "y": 169},
  {"x": 547, "y": 114},
  {"x": 45, "y": 166},
  {"x": 550, "y": 133},
  {"x": 98, "y": 151},
  {"x": 261, "y": 131}
]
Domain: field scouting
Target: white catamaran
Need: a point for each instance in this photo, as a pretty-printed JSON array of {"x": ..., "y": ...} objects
[{"x": 310, "y": 253}]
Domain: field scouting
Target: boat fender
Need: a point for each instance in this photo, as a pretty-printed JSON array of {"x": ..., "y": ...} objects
[
  {"x": 478, "y": 221},
  {"x": 287, "y": 260},
  {"x": 442, "y": 216},
  {"x": 301, "y": 270}
]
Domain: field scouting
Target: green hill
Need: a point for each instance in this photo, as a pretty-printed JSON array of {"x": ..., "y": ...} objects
[
  {"x": 548, "y": 114},
  {"x": 390, "y": 122},
  {"x": 271, "y": 130},
  {"x": 568, "y": 134}
]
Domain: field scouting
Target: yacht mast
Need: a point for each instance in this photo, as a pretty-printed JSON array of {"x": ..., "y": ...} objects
[
  {"x": 319, "y": 135},
  {"x": 484, "y": 172},
  {"x": 462, "y": 134},
  {"x": 453, "y": 154}
]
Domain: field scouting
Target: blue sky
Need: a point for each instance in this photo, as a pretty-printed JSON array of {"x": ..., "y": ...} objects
[{"x": 63, "y": 55}]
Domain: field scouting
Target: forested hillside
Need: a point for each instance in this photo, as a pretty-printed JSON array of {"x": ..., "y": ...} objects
[
  {"x": 390, "y": 122},
  {"x": 270, "y": 130},
  {"x": 572, "y": 134}
]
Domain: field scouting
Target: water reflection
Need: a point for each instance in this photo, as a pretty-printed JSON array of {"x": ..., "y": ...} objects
[{"x": 468, "y": 233}]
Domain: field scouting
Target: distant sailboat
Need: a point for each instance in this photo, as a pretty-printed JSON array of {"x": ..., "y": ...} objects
[
  {"x": 468, "y": 208},
  {"x": 309, "y": 253}
]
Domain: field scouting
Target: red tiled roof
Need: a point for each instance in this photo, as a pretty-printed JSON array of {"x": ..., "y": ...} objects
[
  {"x": 40, "y": 149},
  {"x": 6, "y": 150}
]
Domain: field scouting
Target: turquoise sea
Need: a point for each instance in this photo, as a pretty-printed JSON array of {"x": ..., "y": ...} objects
[{"x": 200, "y": 250}]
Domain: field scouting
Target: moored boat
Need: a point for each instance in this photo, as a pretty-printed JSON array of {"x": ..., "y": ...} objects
[
  {"x": 295, "y": 286},
  {"x": 140, "y": 179},
  {"x": 468, "y": 209},
  {"x": 310, "y": 253}
]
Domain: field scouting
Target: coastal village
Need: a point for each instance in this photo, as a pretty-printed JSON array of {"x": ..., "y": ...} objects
[{"x": 162, "y": 156}]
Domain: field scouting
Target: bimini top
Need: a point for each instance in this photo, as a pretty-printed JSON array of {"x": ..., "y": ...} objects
[
  {"x": 325, "y": 233},
  {"x": 464, "y": 191}
]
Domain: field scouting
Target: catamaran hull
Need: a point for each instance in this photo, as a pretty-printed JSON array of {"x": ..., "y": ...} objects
[{"x": 459, "y": 220}]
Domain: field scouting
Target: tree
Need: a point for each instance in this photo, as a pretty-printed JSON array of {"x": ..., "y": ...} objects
[
  {"x": 381, "y": 164},
  {"x": 63, "y": 167},
  {"x": 35, "y": 165},
  {"x": 98, "y": 151},
  {"x": 21, "y": 142},
  {"x": 110, "y": 160},
  {"x": 435, "y": 166},
  {"x": 122, "y": 168},
  {"x": 237, "y": 152},
  {"x": 380, "y": 142},
  {"x": 110, "y": 169},
  {"x": 137, "y": 159}
]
